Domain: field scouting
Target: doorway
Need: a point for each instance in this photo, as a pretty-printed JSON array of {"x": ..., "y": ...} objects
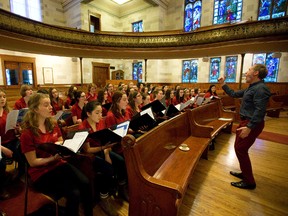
[{"x": 101, "y": 73}]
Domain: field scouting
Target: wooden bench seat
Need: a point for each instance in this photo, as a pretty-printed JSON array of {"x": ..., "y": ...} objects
[
  {"x": 158, "y": 171},
  {"x": 178, "y": 158},
  {"x": 213, "y": 117}
]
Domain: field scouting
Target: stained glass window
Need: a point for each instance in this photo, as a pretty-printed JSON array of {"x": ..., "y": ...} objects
[
  {"x": 190, "y": 71},
  {"x": 214, "y": 69},
  {"x": 192, "y": 14},
  {"x": 271, "y": 9},
  {"x": 231, "y": 68},
  {"x": 137, "y": 71},
  {"x": 227, "y": 11},
  {"x": 271, "y": 63},
  {"x": 137, "y": 26},
  {"x": 27, "y": 8}
]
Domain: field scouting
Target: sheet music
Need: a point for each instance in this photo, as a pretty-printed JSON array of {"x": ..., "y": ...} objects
[
  {"x": 14, "y": 117},
  {"x": 122, "y": 128},
  {"x": 58, "y": 114},
  {"x": 149, "y": 111},
  {"x": 11, "y": 120},
  {"x": 77, "y": 141}
]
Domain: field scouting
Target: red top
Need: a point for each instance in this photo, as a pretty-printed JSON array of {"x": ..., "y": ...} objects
[
  {"x": 76, "y": 111},
  {"x": 208, "y": 95},
  {"x": 109, "y": 97},
  {"x": 111, "y": 120},
  {"x": 90, "y": 97},
  {"x": 57, "y": 105},
  {"x": 10, "y": 135},
  {"x": 20, "y": 104},
  {"x": 99, "y": 126},
  {"x": 28, "y": 141},
  {"x": 175, "y": 101}
]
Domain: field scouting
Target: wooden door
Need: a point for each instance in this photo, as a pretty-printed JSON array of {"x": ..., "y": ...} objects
[{"x": 101, "y": 73}]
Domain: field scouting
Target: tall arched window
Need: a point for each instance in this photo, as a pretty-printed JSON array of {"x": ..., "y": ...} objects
[
  {"x": 27, "y": 8},
  {"x": 271, "y": 9},
  {"x": 227, "y": 11},
  {"x": 271, "y": 62},
  {"x": 190, "y": 71},
  {"x": 192, "y": 15}
]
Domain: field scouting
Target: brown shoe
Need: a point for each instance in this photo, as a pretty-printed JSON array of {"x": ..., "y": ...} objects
[{"x": 108, "y": 207}]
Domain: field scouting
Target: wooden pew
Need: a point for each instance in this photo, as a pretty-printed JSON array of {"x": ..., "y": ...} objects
[
  {"x": 228, "y": 102},
  {"x": 158, "y": 171},
  {"x": 211, "y": 116},
  {"x": 273, "y": 108}
]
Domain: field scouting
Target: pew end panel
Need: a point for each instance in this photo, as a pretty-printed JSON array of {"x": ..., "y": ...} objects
[{"x": 148, "y": 195}]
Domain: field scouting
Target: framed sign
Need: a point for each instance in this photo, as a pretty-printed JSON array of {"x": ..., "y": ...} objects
[{"x": 47, "y": 75}]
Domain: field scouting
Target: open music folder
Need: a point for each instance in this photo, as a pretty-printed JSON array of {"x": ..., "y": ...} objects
[
  {"x": 69, "y": 147},
  {"x": 108, "y": 135},
  {"x": 14, "y": 117},
  {"x": 143, "y": 121}
]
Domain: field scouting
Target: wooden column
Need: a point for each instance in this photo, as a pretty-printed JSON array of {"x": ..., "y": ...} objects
[
  {"x": 241, "y": 70},
  {"x": 145, "y": 75},
  {"x": 81, "y": 71}
]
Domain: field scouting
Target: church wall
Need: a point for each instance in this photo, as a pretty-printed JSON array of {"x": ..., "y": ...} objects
[{"x": 154, "y": 18}]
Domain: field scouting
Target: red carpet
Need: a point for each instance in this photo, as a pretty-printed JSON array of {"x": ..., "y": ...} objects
[
  {"x": 265, "y": 135},
  {"x": 15, "y": 205}
]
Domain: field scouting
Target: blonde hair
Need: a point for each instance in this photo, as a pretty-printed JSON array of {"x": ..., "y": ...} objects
[
  {"x": 30, "y": 120},
  {"x": 5, "y": 107}
]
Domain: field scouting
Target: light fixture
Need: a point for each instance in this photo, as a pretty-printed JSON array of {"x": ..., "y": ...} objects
[{"x": 120, "y": 2}]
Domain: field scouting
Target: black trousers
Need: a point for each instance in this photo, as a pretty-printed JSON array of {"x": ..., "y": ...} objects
[{"x": 69, "y": 182}]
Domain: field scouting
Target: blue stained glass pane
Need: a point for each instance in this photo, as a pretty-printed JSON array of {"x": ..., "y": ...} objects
[
  {"x": 214, "y": 69},
  {"x": 192, "y": 15},
  {"x": 272, "y": 65},
  {"x": 265, "y": 8},
  {"x": 134, "y": 72},
  {"x": 228, "y": 11},
  {"x": 231, "y": 68},
  {"x": 186, "y": 71},
  {"x": 139, "y": 72},
  {"x": 259, "y": 58},
  {"x": 279, "y": 8},
  {"x": 194, "y": 71}
]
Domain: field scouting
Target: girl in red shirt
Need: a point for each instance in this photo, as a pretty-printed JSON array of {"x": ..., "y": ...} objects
[
  {"x": 108, "y": 163},
  {"x": 76, "y": 109},
  {"x": 56, "y": 102},
  {"x": 50, "y": 173},
  {"x": 117, "y": 113},
  {"x": 91, "y": 94}
]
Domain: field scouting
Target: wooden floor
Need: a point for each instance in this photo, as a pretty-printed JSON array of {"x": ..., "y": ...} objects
[{"x": 211, "y": 194}]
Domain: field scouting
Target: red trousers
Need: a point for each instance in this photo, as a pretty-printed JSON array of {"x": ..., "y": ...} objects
[{"x": 242, "y": 146}]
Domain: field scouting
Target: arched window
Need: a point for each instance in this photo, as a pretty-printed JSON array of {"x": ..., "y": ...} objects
[
  {"x": 214, "y": 69},
  {"x": 190, "y": 71},
  {"x": 27, "y": 8},
  {"x": 227, "y": 11},
  {"x": 271, "y": 9},
  {"x": 271, "y": 62},
  {"x": 137, "y": 71},
  {"x": 231, "y": 68},
  {"x": 192, "y": 14}
]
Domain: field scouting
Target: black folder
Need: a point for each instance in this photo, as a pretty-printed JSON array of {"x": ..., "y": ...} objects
[
  {"x": 171, "y": 111},
  {"x": 105, "y": 136},
  {"x": 142, "y": 121},
  {"x": 156, "y": 106},
  {"x": 53, "y": 149}
]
